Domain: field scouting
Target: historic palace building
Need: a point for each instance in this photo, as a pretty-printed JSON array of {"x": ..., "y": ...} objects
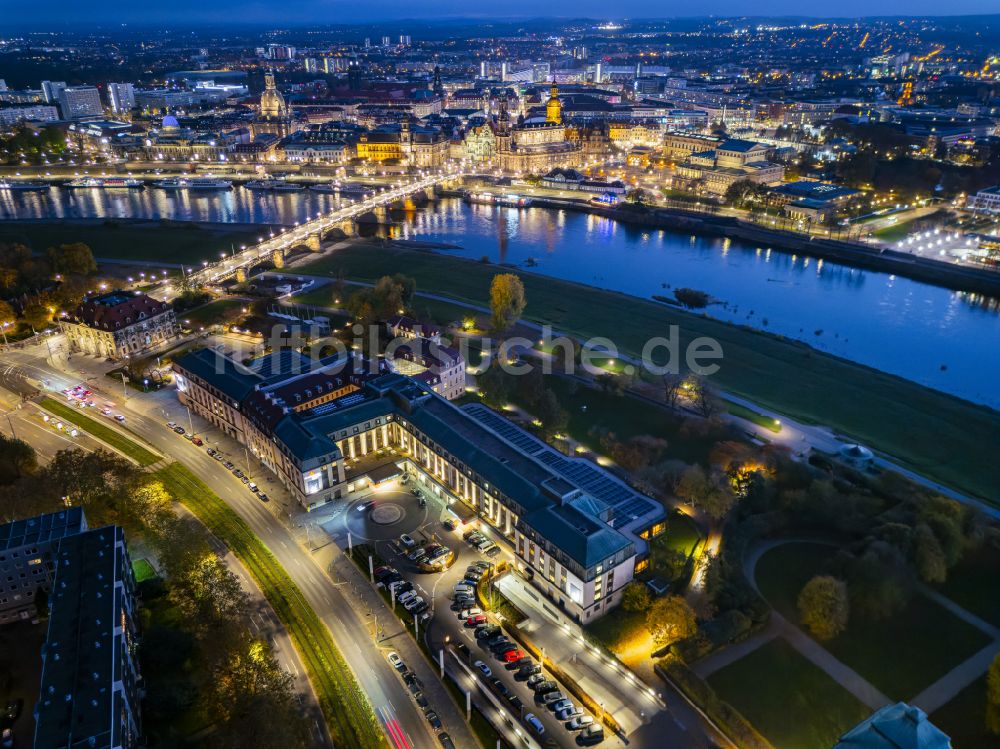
[{"x": 119, "y": 324}]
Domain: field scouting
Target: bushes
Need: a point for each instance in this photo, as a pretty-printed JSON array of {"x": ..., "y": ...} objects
[
  {"x": 729, "y": 720},
  {"x": 727, "y": 628}
]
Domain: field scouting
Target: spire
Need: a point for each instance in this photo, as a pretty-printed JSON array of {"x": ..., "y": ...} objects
[{"x": 438, "y": 85}]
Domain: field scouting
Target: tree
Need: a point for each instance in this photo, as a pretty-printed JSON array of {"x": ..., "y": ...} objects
[
  {"x": 704, "y": 399},
  {"x": 636, "y": 195},
  {"x": 17, "y": 458},
  {"x": 636, "y": 597},
  {"x": 507, "y": 301},
  {"x": 73, "y": 259},
  {"x": 993, "y": 696},
  {"x": 672, "y": 386},
  {"x": 211, "y": 597},
  {"x": 709, "y": 492},
  {"x": 553, "y": 416},
  {"x": 7, "y": 315},
  {"x": 254, "y": 702},
  {"x": 36, "y": 315},
  {"x": 823, "y": 607},
  {"x": 495, "y": 385},
  {"x": 670, "y": 619},
  {"x": 928, "y": 556},
  {"x": 531, "y": 386}
]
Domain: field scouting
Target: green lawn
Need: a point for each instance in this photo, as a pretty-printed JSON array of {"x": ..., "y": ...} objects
[
  {"x": 790, "y": 701},
  {"x": 964, "y": 718},
  {"x": 211, "y": 313},
  {"x": 101, "y": 431},
  {"x": 894, "y": 232},
  {"x": 349, "y": 715},
  {"x": 140, "y": 240},
  {"x": 754, "y": 417},
  {"x": 901, "y": 655},
  {"x": 618, "y": 631},
  {"x": 942, "y": 437},
  {"x": 143, "y": 570},
  {"x": 972, "y": 583}
]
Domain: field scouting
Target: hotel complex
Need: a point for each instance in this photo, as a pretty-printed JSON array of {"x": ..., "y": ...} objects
[{"x": 579, "y": 533}]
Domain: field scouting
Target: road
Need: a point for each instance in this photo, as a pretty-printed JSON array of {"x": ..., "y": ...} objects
[{"x": 347, "y": 622}]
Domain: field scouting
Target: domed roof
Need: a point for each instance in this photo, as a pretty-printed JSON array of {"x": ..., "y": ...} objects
[
  {"x": 170, "y": 123},
  {"x": 272, "y": 103}
]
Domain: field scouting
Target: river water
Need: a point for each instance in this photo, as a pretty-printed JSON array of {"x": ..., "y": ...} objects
[{"x": 944, "y": 339}]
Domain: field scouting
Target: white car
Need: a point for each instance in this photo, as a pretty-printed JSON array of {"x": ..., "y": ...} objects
[
  {"x": 474, "y": 611},
  {"x": 535, "y": 723},
  {"x": 407, "y": 540},
  {"x": 407, "y": 596},
  {"x": 413, "y": 603},
  {"x": 580, "y": 722},
  {"x": 396, "y": 661}
]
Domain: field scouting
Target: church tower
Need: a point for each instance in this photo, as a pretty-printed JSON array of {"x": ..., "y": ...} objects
[
  {"x": 553, "y": 109},
  {"x": 438, "y": 86}
]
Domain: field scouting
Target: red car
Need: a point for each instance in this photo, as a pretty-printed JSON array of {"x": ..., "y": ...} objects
[
  {"x": 513, "y": 655},
  {"x": 475, "y": 621},
  {"x": 197, "y": 441}
]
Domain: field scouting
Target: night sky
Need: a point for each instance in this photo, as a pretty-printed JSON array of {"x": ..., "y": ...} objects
[{"x": 58, "y": 14}]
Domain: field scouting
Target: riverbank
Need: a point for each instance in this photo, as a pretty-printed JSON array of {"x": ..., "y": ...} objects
[
  {"x": 939, "y": 436},
  {"x": 854, "y": 254},
  {"x": 148, "y": 240}
]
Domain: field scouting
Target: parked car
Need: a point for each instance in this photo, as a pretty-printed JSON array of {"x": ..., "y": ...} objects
[
  {"x": 552, "y": 698},
  {"x": 535, "y": 723},
  {"x": 484, "y": 633},
  {"x": 545, "y": 686},
  {"x": 170, "y": 424},
  {"x": 432, "y": 718},
  {"x": 560, "y": 705},
  {"x": 253, "y": 487},
  {"x": 212, "y": 452},
  {"x": 527, "y": 672},
  {"x": 406, "y": 596},
  {"x": 567, "y": 713},
  {"x": 229, "y": 466},
  {"x": 492, "y": 552},
  {"x": 474, "y": 611},
  {"x": 263, "y": 497},
  {"x": 593, "y": 734},
  {"x": 516, "y": 665},
  {"x": 474, "y": 621},
  {"x": 449, "y": 525},
  {"x": 413, "y": 603},
  {"x": 417, "y": 555},
  {"x": 197, "y": 441},
  {"x": 501, "y": 688},
  {"x": 407, "y": 540},
  {"x": 179, "y": 430},
  {"x": 219, "y": 457},
  {"x": 535, "y": 679},
  {"x": 483, "y": 668},
  {"x": 513, "y": 656},
  {"x": 420, "y": 699},
  {"x": 396, "y": 661},
  {"x": 446, "y": 741},
  {"x": 420, "y": 608},
  {"x": 580, "y": 722},
  {"x": 245, "y": 479}
]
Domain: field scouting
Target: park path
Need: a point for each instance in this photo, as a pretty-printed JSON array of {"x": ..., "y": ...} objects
[
  {"x": 933, "y": 697},
  {"x": 840, "y": 672}
]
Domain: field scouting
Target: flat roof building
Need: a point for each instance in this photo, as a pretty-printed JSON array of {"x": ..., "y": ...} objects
[{"x": 89, "y": 696}]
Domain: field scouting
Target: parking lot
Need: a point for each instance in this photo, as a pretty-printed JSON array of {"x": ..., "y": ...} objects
[{"x": 495, "y": 670}]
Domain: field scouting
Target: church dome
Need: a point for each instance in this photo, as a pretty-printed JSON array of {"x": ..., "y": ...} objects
[
  {"x": 170, "y": 123},
  {"x": 272, "y": 103}
]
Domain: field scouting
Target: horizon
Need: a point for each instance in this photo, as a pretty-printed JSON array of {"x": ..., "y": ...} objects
[{"x": 107, "y": 15}]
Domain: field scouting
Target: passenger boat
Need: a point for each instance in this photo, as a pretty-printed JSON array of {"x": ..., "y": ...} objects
[
  {"x": 6, "y": 184},
  {"x": 208, "y": 183},
  {"x": 109, "y": 183},
  {"x": 488, "y": 198}
]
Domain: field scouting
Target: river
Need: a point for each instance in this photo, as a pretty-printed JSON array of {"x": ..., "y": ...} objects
[{"x": 944, "y": 339}]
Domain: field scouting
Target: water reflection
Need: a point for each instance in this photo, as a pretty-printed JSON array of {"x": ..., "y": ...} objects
[{"x": 948, "y": 340}]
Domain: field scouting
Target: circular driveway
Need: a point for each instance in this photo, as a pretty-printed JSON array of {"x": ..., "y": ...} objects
[{"x": 393, "y": 512}]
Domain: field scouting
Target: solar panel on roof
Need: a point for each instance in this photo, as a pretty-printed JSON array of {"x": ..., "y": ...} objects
[{"x": 628, "y": 503}]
